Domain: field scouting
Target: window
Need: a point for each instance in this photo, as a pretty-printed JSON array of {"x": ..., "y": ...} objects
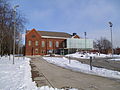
[
  {"x": 36, "y": 50},
  {"x": 50, "y": 43},
  {"x": 63, "y": 44},
  {"x": 43, "y": 43},
  {"x": 33, "y": 36},
  {"x": 43, "y": 51},
  {"x": 29, "y": 43},
  {"x": 36, "y": 43},
  {"x": 57, "y": 44}
]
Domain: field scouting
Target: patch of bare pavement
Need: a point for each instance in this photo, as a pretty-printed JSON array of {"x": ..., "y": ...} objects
[{"x": 46, "y": 74}]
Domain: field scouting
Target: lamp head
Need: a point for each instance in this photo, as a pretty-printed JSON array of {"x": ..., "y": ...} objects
[
  {"x": 85, "y": 33},
  {"x": 110, "y": 24}
]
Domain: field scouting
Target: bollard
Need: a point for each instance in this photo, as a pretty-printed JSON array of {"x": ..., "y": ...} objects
[{"x": 90, "y": 63}]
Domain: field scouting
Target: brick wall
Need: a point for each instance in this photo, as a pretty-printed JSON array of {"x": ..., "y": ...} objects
[
  {"x": 32, "y": 36},
  {"x": 32, "y": 49}
]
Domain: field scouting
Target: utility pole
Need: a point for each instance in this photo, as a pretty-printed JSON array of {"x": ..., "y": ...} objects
[
  {"x": 111, "y": 38},
  {"x": 14, "y": 31}
]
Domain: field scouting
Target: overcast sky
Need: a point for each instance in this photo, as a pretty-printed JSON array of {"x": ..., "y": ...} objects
[{"x": 79, "y": 16}]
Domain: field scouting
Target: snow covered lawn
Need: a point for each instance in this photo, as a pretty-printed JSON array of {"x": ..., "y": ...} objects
[
  {"x": 88, "y": 55},
  {"x": 118, "y": 59},
  {"x": 78, "y": 66},
  {"x": 18, "y": 76}
]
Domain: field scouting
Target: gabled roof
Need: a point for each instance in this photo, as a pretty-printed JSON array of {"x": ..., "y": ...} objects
[{"x": 54, "y": 34}]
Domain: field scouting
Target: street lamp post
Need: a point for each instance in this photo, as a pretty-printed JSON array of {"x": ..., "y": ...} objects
[
  {"x": 14, "y": 31},
  {"x": 111, "y": 37},
  {"x": 85, "y": 39}
]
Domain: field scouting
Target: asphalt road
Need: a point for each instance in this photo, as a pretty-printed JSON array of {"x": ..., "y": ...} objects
[{"x": 57, "y": 77}]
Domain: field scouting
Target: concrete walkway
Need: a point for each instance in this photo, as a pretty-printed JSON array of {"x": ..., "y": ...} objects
[{"x": 58, "y": 77}]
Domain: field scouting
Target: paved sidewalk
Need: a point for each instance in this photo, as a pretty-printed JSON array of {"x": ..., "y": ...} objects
[{"x": 59, "y": 77}]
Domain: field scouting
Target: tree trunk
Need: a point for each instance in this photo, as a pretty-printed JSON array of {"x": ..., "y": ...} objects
[{"x": 0, "y": 51}]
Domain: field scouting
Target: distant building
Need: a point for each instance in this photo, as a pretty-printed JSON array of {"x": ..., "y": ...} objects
[{"x": 44, "y": 42}]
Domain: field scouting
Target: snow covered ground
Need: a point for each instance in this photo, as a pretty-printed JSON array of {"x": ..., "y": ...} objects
[
  {"x": 118, "y": 59},
  {"x": 78, "y": 66},
  {"x": 18, "y": 76},
  {"x": 88, "y": 55}
]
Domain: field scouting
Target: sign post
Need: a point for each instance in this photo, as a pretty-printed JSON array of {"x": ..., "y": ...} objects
[{"x": 90, "y": 63}]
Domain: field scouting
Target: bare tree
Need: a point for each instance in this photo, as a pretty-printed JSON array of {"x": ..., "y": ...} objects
[
  {"x": 6, "y": 27},
  {"x": 103, "y": 45}
]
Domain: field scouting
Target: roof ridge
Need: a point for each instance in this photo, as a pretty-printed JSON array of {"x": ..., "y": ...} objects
[
  {"x": 53, "y": 31},
  {"x": 54, "y": 34}
]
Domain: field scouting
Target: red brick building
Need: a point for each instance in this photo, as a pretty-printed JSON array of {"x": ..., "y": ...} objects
[{"x": 43, "y": 42}]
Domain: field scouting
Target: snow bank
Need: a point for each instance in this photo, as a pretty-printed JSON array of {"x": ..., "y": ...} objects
[
  {"x": 78, "y": 66},
  {"x": 115, "y": 59},
  {"x": 50, "y": 88},
  {"x": 52, "y": 55},
  {"x": 88, "y": 55},
  {"x": 15, "y": 76},
  {"x": 18, "y": 76}
]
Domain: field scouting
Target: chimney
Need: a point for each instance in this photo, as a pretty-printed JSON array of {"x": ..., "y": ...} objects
[{"x": 74, "y": 34}]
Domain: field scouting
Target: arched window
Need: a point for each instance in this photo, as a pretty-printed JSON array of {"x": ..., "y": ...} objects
[
  {"x": 43, "y": 43},
  {"x": 36, "y": 50},
  {"x": 50, "y": 43},
  {"x": 43, "y": 51},
  {"x": 57, "y": 44},
  {"x": 36, "y": 43},
  {"x": 29, "y": 43},
  {"x": 33, "y": 36}
]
